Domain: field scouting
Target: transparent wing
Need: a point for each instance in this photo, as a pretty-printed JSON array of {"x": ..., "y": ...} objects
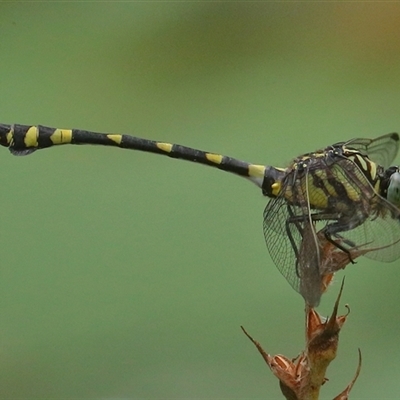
[
  {"x": 279, "y": 243},
  {"x": 378, "y": 236},
  {"x": 292, "y": 243},
  {"x": 378, "y": 226},
  {"x": 382, "y": 150}
]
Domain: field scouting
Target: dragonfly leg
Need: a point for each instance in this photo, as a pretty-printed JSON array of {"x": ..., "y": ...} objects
[
  {"x": 332, "y": 233},
  {"x": 328, "y": 237}
]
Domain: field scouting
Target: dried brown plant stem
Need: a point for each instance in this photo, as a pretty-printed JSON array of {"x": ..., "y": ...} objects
[{"x": 301, "y": 378}]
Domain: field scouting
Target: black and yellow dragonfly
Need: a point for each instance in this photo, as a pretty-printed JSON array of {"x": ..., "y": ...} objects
[{"x": 347, "y": 192}]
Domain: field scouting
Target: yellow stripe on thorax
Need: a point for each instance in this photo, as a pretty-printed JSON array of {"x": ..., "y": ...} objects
[
  {"x": 316, "y": 196},
  {"x": 353, "y": 192},
  {"x": 373, "y": 170},
  {"x": 367, "y": 166}
]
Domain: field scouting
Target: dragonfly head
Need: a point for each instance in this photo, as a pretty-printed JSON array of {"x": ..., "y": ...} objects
[{"x": 390, "y": 185}]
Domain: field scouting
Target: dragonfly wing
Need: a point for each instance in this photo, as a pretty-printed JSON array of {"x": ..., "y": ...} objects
[
  {"x": 382, "y": 150},
  {"x": 378, "y": 227},
  {"x": 292, "y": 243},
  {"x": 378, "y": 235},
  {"x": 281, "y": 246}
]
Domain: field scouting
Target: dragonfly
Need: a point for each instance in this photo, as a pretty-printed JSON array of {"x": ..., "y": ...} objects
[{"x": 346, "y": 195}]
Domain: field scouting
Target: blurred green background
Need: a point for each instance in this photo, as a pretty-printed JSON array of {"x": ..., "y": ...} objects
[{"x": 128, "y": 275}]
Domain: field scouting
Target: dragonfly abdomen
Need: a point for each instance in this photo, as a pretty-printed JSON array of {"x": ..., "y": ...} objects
[{"x": 25, "y": 139}]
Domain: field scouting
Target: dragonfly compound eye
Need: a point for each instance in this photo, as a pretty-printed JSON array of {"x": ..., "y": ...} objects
[{"x": 393, "y": 191}]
